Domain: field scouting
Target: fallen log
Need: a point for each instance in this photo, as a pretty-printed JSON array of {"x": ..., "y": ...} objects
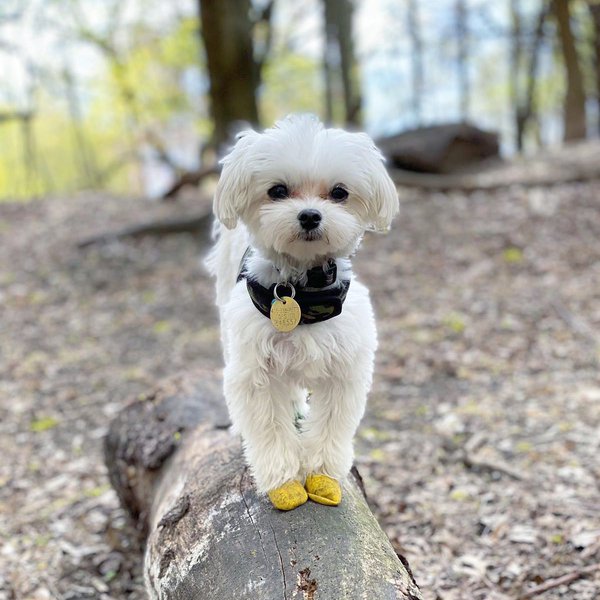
[
  {"x": 179, "y": 471},
  {"x": 572, "y": 163},
  {"x": 197, "y": 224},
  {"x": 440, "y": 149}
]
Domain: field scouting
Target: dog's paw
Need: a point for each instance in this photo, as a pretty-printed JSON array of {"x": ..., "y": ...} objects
[
  {"x": 323, "y": 489},
  {"x": 289, "y": 496}
]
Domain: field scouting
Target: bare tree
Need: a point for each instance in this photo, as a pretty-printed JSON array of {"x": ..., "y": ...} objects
[
  {"x": 84, "y": 154},
  {"x": 339, "y": 63},
  {"x": 107, "y": 43},
  {"x": 574, "y": 103},
  {"x": 594, "y": 8},
  {"x": 516, "y": 57},
  {"x": 524, "y": 63},
  {"x": 462, "y": 40},
  {"x": 416, "y": 42},
  {"x": 227, "y": 35},
  {"x": 237, "y": 39},
  {"x": 106, "y": 40}
]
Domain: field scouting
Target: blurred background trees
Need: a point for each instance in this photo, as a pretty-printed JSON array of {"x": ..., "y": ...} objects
[{"x": 128, "y": 95}]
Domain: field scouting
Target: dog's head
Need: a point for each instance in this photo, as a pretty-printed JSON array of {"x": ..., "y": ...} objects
[{"x": 305, "y": 191}]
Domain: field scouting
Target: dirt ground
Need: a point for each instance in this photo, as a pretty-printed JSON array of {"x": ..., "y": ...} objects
[{"x": 480, "y": 450}]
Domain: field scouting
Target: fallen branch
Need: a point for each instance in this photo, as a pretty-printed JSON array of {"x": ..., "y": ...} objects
[
  {"x": 571, "y": 164},
  {"x": 16, "y": 116},
  {"x": 195, "y": 224},
  {"x": 471, "y": 459},
  {"x": 179, "y": 470},
  {"x": 486, "y": 181},
  {"x": 190, "y": 178},
  {"x": 474, "y": 462},
  {"x": 562, "y": 580},
  {"x": 575, "y": 323}
]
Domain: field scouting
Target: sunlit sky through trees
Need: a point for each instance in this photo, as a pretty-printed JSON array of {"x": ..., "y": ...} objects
[{"x": 37, "y": 49}]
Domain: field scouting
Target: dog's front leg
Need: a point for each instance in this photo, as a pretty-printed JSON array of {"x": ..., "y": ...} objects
[
  {"x": 336, "y": 407},
  {"x": 262, "y": 409}
]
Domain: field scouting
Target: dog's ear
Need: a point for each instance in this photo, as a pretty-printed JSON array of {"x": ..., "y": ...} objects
[
  {"x": 233, "y": 189},
  {"x": 384, "y": 204}
]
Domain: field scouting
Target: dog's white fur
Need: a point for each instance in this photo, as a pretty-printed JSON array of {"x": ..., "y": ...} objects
[{"x": 268, "y": 373}]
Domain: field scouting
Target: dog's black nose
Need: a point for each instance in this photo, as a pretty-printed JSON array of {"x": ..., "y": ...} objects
[{"x": 309, "y": 218}]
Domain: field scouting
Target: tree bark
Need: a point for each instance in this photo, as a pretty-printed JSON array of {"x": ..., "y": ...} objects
[
  {"x": 339, "y": 63},
  {"x": 180, "y": 472},
  {"x": 416, "y": 61},
  {"x": 528, "y": 109},
  {"x": 524, "y": 104},
  {"x": 516, "y": 52},
  {"x": 594, "y": 7},
  {"x": 227, "y": 37},
  {"x": 462, "y": 38},
  {"x": 574, "y": 104}
]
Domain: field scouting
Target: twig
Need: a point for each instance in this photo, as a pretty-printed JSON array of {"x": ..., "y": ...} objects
[
  {"x": 558, "y": 581},
  {"x": 577, "y": 324},
  {"x": 190, "y": 178},
  {"x": 472, "y": 462}
]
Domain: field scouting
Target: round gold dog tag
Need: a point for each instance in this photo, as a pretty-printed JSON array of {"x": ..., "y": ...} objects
[{"x": 285, "y": 314}]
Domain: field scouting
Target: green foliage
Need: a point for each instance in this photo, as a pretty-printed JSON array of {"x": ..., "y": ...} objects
[
  {"x": 459, "y": 495},
  {"x": 152, "y": 80},
  {"x": 132, "y": 102},
  {"x": 455, "y": 323},
  {"x": 292, "y": 83},
  {"x": 37, "y": 158},
  {"x": 513, "y": 255},
  {"x": 43, "y": 424}
]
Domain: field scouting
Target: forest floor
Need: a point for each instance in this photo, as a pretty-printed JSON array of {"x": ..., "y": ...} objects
[{"x": 481, "y": 446}]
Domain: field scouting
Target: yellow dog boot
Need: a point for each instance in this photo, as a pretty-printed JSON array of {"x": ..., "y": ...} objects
[
  {"x": 289, "y": 496},
  {"x": 323, "y": 489}
]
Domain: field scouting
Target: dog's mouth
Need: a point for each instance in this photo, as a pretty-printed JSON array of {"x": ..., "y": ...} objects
[{"x": 311, "y": 236}]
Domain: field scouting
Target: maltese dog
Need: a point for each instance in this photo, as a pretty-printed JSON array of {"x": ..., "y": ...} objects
[{"x": 297, "y": 328}]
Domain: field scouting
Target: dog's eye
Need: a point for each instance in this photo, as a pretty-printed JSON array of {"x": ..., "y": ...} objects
[
  {"x": 338, "y": 194},
  {"x": 278, "y": 192}
]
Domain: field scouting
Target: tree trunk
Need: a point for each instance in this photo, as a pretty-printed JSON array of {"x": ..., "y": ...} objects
[
  {"x": 594, "y": 8},
  {"x": 416, "y": 42},
  {"x": 462, "y": 37},
  {"x": 339, "y": 63},
  {"x": 209, "y": 535},
  {"x": 574, "y": 106},
  {"x": 516, "y": 52},
  {"x": 528, "y": 110},
  {"x": 84, "y": 156},
  {"x": 524, "y": 104},
  {"x": 227, "y": 38}
]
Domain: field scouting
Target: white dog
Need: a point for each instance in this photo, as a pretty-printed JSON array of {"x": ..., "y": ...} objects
[{"x": 295, "y": 202}]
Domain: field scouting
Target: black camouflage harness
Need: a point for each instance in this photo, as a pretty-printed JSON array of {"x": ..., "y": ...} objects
[{"x": 316, "y": 303}]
